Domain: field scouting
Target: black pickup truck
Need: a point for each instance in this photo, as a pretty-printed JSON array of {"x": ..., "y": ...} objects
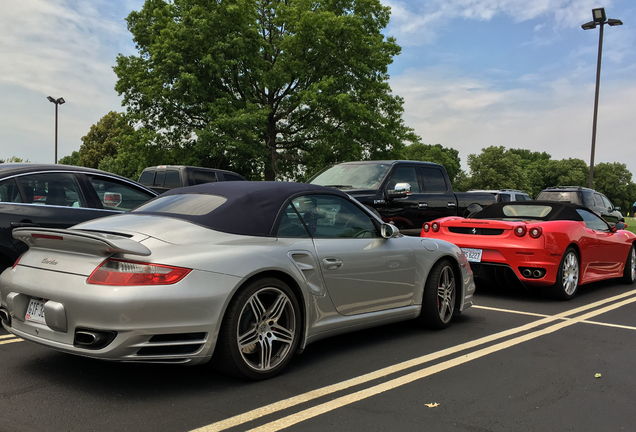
[{"x": 406, "y": 193}]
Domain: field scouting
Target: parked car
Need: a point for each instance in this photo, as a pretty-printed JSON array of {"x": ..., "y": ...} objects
[
  {"x": 505, "y": 195},
  {"x": 58, "y": 196},
  {"x": 196, "y": 273},
  {"x": 551, "y": 245},
  {"x": 595, "y": 201},
  {"x": 165, "y": 177},
  {"x": 405, "y": 193}
]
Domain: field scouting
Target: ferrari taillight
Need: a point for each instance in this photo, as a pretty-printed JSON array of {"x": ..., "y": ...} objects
[
  {"x": 435, "y": 226},
  {"x": 520, "y": 230},
  {"x": 535, "y": 232},
  {"x": 119, "y": 272},
  {"x": 426, "y": 227}
]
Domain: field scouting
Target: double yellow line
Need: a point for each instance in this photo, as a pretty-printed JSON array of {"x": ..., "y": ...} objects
[
  {"x": 562, "y": 320},
  {"x": 7, "y": 339}
]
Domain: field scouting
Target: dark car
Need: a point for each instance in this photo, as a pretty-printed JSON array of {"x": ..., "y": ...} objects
[
  {"x": 595, "y": 201},
  {"x": 506, "y": 195},
  {"x": 162, "y": 178},
  {"x": 58, "y": 196}
]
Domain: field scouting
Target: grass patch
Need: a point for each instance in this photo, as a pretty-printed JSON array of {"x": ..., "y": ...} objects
[{"x": 631, "y": 224}]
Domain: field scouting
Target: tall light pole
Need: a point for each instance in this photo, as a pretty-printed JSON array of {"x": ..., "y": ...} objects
[
  {"x": 600, "y": 19},
  {"x": 57, "y": 102}
]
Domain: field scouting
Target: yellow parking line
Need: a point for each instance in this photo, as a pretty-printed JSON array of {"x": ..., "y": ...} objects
[
  {"x": 301, "y": 416},
  {"x": 314, "y": 394},
  {"x": 8, "y": 341}
]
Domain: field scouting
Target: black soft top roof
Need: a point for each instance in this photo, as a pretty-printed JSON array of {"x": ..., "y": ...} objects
[
  {"x": 251, "y": 207},
  {"x": 560, "y": 211}
]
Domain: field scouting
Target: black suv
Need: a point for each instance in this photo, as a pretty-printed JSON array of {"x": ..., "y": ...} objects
[
  {"x": 595, "y": 201},
  {"x": 165, "y": 177}
]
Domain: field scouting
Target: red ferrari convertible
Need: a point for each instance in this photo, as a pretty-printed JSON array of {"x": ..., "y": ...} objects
[{"x": 552, "y": 245}]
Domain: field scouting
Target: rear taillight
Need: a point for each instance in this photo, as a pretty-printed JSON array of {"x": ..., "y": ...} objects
[
  {"x": 118, "y": 272},
  {"x": 535, "y": 232},
  {"x": 16, "y": 262},
  {"x": 435, "y": 226},
  {"x": 520, "y": 230},
  {"x": 426, "y": 227}
]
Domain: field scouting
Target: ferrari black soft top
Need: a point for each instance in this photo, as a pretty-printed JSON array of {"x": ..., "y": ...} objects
[
  {"x": 531, "y": 210},
  {"x": 245, "y": 207}
]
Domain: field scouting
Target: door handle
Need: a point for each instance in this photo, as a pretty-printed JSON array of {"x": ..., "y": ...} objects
[
  {"x": 332, "y": 263},
  {"x": 422, "y": 205},
  {"x": 451, "y": 204},
  {"x": 24, "y": 224}
]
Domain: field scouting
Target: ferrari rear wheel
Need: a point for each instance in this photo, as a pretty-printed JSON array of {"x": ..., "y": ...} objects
[
  {"x": 567, "y": 282},
  {"x": 440, "y": 293},
  {"x": 260, "y": 331},
  {"x": 629, "y": 274}
]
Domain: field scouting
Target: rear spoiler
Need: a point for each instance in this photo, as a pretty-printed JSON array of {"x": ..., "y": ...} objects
[{"x": 68, "y": 240}]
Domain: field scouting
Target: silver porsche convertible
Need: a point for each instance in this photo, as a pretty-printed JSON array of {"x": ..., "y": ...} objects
[{"x": 244, "y": 274}]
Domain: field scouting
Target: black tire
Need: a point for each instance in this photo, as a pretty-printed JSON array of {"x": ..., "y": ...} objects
[
  {"x": 629, "y": 274},
  {"x": 567, "y": 283},
  {"x": 440, "y": 293},
  {"x": 260, "y": 331}
]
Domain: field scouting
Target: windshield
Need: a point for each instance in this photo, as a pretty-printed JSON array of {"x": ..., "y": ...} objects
[
  {"x": 183, "y": 205},
  {"x": 563, "y": 196},
  {"x": 353, "y": 176}
]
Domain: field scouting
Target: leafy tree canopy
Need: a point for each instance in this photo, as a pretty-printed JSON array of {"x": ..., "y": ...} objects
[
  {"x": 14, "y": 159},
  {"x": 497, "y": 168},
  {"x": 72, "y": 159},
  {"x": 615, "y": 181},
  {"x": 566, "y": 172},
  {"x": 270, "y": 89},
  {"x": 448, "y": 157},
  {"x": 102, "y": 139}
]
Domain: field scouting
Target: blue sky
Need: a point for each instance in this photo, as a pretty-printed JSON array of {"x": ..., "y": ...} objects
[{"x": 473, "y": 73}]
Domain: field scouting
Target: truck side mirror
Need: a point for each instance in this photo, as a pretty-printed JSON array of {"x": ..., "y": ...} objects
[
  {"x": 389, "y": 230},
  {"x": 400, "y": 190}
]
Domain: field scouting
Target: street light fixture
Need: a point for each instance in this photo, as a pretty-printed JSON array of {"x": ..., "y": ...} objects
[
  {"x": 57, "y": 102},
  {"x": 600, "y": 19}
]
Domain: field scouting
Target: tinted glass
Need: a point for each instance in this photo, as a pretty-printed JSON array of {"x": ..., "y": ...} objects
[
  {"x": 404, "y": 175},
  {"x": 201, "y": 177},
  {"x": 118, "y": 195},
  {"x": 434, "y": 181},
  {"x": 355, "y": 176},
  {"x": 160, "y": 176},
  {"x": 564, "y": 196},
  {"x": 502, "y": 197},
  {"x": 231, "y": 177},
  {"x": 598, "y": 201},
  {"x": 184, "y": 205},
  {"x": 607, "y": 203},
  {"x": 173, "y": 179},
  {"x": 147, "y": 178},
  {"x": 9, "y": 192},
  {"x": 57, "y": 189},
  {"x": 592, "y": 221},
  {"x": 329, "y": 216},
  {"x": 290, "y": 224}
]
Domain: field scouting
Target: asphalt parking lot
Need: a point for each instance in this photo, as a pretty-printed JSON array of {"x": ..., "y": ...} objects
[{"x": 515, "y": 361}]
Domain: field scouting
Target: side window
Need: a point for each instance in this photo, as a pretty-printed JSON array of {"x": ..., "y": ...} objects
[
  {"x": 147, "y": 178},
  {"x": 434, "y": 181},
  {"x": 201, "y": 177},
  {"x": 503, "y": 197},
  {"x": 160, "y": 177},
  {"x": 231, "y": 177},
  {"x": 330, "y": 216},
  {"x": 173, "y": 179},
  {"x": 117, "y": 195},
  {"x": 9, "y": 192},
  {"x": 598, "y": 201},
  {"x": 57, "y": 189},
  {"x": 592, "y": 221},
  {"x": 404, "y": 175},
  {"x": 606, "y": 203},
  {"x": 290, "y": 224}
]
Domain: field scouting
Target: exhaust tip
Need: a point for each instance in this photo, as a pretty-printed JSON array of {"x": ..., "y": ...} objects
[
  {"x": 537, "y": 273},
  {"x": 527, "y": 273},
  {"x": 5, "y": 317},
  {"x": 93, "y": 339}
]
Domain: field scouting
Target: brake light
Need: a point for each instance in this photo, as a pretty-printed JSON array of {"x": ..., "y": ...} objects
[
  {"x": 112, "y": 199},
  {"x": 435, "y": 226},
  {"x": 118, "y": 272},
  {"x": 16, "y": 262},
  {"x": 47, "y": 236},
  {"x": 535, "y": 232},
  {"x": 426, "y": 227},
  {"x": 520, "y": 230}
]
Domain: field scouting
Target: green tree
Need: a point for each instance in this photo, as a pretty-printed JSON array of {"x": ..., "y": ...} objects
[
  {"x": 72, "y": 159},
  {"x": 267, "y": 86},
  {"x": 535, "y": 166},
  {"x": 448, "y": 157},
  {"x": 14, "y": 159},
  {"x": 102, "y": 139},
  {"x": 614, "y": 180},
  {"x": 496, "y": 168},
  {"x": 566, "y": 172}
]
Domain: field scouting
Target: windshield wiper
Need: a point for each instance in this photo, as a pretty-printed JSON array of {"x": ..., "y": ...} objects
[{"x": 339, "y": 186}]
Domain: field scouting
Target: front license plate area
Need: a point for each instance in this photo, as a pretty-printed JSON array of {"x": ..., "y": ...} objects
[
  {"x": 472, "y": 255},
  {"x": 35, "y": 311}
]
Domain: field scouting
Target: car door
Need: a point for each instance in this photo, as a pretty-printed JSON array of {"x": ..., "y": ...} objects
[
  {"x": 604, "y": 251},
  {"x": 406, "y": 212},
  {"x": 363, "y": 271}
]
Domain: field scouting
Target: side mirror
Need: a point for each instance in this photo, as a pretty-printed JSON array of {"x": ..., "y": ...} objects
[
  {"x": 401, "y": 190},
  {"x": 617, "y": 208},
  {"x": 389, "y": 230}
]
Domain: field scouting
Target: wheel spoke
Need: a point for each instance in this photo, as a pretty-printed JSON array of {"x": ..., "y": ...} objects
[
  {"x": 278, "y": 308},
  {"x": 257, "y": 307},
  {"x": 248, "y": 338},
  {"x": 282, "y": 335},
  {"x": 266, "y": 353}
]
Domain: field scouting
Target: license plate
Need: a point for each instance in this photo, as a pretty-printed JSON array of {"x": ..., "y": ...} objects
[
  {"x": 35, "y": 311},
  {"x": 472, "y": 255}
]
